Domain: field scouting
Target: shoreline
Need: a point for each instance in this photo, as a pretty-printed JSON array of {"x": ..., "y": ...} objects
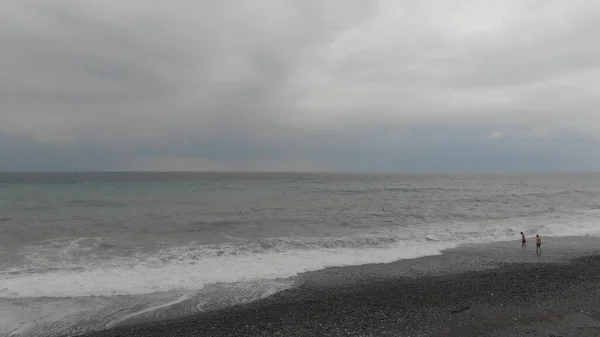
[{"x": 479, "y": 289}]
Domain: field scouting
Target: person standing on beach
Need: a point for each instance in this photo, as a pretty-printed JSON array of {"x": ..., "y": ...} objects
[
  {"x": 538, "y": 243},
  {"x": 523, "y": 241}
]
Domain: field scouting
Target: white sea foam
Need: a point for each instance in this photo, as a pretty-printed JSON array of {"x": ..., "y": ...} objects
[
  {"x": 71, "y": 281},
  {"x": 61, "y": 316},
  {"x": 190, "y": 268},
  {"x": 64, "y": 268}
]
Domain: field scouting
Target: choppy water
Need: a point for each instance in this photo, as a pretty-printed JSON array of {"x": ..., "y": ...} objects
[{"x": 86, "y": 251}]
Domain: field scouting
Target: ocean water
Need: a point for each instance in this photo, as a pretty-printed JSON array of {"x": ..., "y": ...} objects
[{"x": 86, "y": 251}]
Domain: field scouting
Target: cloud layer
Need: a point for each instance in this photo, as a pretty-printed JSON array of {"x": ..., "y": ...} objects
[{"x": 300, "y": 85}]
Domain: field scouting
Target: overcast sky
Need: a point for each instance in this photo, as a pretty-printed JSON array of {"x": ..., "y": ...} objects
[{"x": 336, "y": 85}]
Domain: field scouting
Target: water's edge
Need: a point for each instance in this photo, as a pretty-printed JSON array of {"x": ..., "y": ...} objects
[{"x": 464, "y": 258}]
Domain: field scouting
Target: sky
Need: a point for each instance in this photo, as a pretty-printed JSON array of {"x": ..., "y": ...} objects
[{"x": 311, "y": 85}]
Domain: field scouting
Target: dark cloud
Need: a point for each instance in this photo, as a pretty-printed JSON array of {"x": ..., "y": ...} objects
[{"x": 336, "y": 85}]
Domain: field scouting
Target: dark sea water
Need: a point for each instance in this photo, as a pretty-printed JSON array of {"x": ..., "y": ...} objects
[{"x": 85, "y": 251}]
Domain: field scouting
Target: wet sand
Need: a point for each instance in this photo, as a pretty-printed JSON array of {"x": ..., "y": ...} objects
[{"x": 476, "y": 290}]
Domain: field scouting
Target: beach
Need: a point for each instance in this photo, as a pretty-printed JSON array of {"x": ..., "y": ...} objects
[
  {"x": 287, "y": 253},
  {"x": 299, "y": 168},
  {"x": 494, "y": 289}
]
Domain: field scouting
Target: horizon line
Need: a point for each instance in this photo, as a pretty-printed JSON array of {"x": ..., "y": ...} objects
[{"x": 293, "y": 171}]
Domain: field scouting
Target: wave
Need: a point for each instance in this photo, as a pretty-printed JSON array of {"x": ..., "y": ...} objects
[
  {"x": 76, "y": 267},
  {"x": 399, "y": 189},
  {"x": 495, "y": 198},
  {"x": 93, "y": 203},
  {"x": 192, "y": 267},
  {"x": 202, "y": 225},
  {"x": 73, "y": 316}
]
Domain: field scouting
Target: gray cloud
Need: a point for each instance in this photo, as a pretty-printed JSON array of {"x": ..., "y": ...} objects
[{"x": 335, "y": 85}]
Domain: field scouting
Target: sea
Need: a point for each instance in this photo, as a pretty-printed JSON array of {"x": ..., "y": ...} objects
[{"x": 88, "y": 251}]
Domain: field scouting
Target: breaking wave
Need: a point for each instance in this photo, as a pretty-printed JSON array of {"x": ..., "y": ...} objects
[{"x": 75, "y": 267}]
